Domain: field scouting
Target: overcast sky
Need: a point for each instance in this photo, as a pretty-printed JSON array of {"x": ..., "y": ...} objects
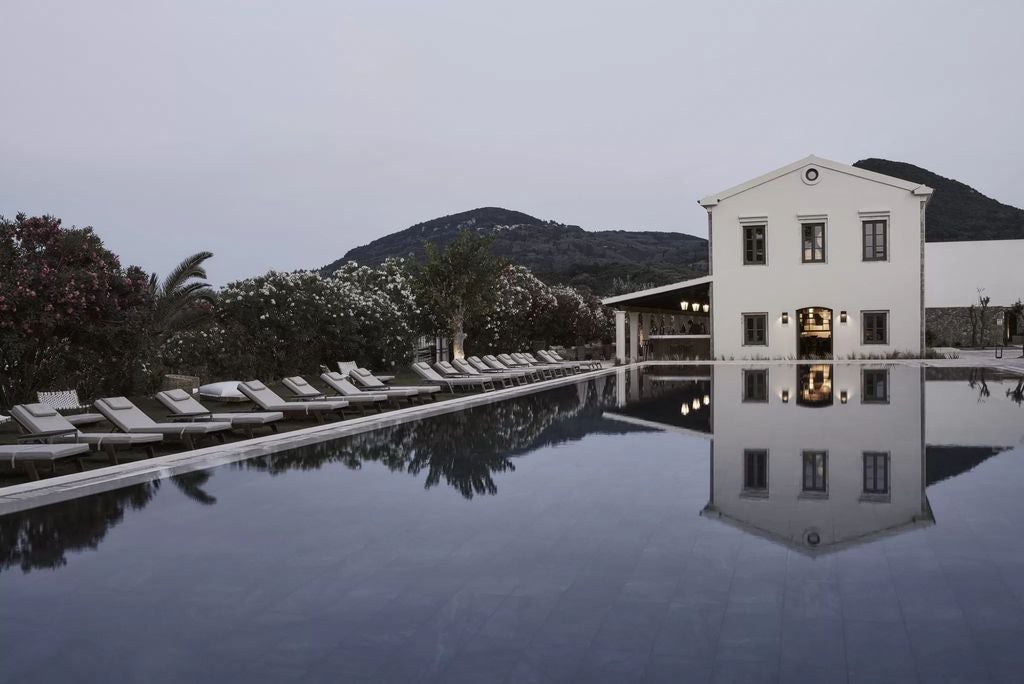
[{"x": 281, "y": 134}]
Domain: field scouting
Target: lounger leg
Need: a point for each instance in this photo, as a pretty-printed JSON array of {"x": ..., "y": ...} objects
[
  {"x": 273, "y": 428},
  {"x": 111, "y": 454},
  {"x": 150, "y": 452},
  {"x": 189, "y": 442},
  {"x": 30, "y": 468},
  {"x": 81, "y": 465}
]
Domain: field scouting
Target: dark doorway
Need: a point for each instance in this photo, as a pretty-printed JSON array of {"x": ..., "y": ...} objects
[{"x": 814, "y": 333}]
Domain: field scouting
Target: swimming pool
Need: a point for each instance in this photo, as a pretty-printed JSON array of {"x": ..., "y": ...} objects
[{"x": 839, "y": 522}]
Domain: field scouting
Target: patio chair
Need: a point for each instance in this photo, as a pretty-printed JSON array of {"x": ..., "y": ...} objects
[
  {"x": 268, "y": 400},
  {"x": 346, "y": 368},
  {"x": 69, "y": 405},
  {"x": 306, "y": 392},
  {"x": 465, "y": 368},
  {"x": 43, "y": 423},
  {"x": 368, "y": 381},
  {"x": 28, "y": 455},
  {"x": 340, "y": 384},
  {"x": 127, "y": 417},
  {"x": 423, "y": 369},
  {"x": 183, "y": 406}
]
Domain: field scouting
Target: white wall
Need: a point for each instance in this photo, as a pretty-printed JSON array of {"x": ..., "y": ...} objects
[
  {"x": 844, "y": 282},
  {"x": 844, "y": 430},
  {"x": 955, "y": 270}
]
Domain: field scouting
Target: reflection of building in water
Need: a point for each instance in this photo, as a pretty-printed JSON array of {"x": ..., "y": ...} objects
[
  {"x": 676, "y": 398},
  {"x": 819, "y": 474}
]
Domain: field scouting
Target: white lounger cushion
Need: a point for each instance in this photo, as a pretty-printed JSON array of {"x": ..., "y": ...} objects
[
  {"x": 187, "y": 406},
  {"x": 369, "y": 380},
  {"x": 40, "y": 452},
  {"x": 340, "y": 384},
  {"x": 268, "y": 400},
  {"x": 27, "y": 416},
  {"x": 131, "y": 419}
]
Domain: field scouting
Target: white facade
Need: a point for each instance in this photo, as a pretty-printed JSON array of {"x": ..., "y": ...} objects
[
  {"x": 957, "y": 270},
  {"x": 841, "y": 198}
]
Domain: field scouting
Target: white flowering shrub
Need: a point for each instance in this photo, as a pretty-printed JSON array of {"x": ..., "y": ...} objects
[{"x": 286, "y": 323}]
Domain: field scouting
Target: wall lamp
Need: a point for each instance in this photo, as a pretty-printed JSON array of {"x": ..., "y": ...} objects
[
  {"x": 695, "y": 306},
  {"x": 842, "y": 316},
  {"x": 785, "y": 318},
  {"x": 707, "y": 307},
  {"x": 785, "y": 396},
  {"x": 684, "y": 305},
  {"x": 844, "y": 397}
]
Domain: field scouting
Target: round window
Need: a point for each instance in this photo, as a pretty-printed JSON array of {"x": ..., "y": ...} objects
[{"x": 811, "y": 175}]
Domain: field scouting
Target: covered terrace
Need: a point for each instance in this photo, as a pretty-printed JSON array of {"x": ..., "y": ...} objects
[{"x": 667, "y": 323}]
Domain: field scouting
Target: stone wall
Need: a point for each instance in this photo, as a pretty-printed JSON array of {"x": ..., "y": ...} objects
[{"x": 951, "y": 327}]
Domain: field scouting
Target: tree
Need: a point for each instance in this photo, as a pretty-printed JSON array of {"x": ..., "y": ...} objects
[
  {"x": 1017, "y": 311},
  {"x": 70, "y": 315},
  {"x": 183, "y": 299},
  {"x": 458, "y": 285}
]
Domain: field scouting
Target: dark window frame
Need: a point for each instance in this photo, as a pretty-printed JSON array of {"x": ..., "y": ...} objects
[
  {"x": 762, "y": 396},
  {"x": 865, "y": 329},
  {"x": 873, "y": 397},
  {"x": 755, "y": 480},
  {"x": 750, "y": 244},
  {"x": 817, "y": 488},
  {"x": 753, "y": 316},
  {"x": 871, "y": 484},
  {"x": 815, "y": 257},
  {"x": 873, "y": 243}
]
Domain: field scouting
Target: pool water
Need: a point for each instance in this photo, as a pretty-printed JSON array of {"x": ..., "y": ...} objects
[{"x": 673, "y": 524}]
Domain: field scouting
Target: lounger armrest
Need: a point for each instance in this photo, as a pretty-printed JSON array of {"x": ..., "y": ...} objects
[{"x": 46, "y": 434}]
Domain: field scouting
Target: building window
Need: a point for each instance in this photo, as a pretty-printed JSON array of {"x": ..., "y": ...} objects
[
  {"x": 755, "y": 385},
  {"x": 876, "y": 240},
  {"x": 754, "y": 245},
  {"x": 755, "y": 329},
  {"x": 876, "y": 472},
  {"x": 875, "y": 385},
  {"x": 814, "y": 242},
  {"x": 815, "y": 471},
  {"x": 875, "y": 327},
  {"x": 755, "y": 471}
]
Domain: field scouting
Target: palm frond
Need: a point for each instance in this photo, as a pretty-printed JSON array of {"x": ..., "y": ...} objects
[{"x": 189, "y": 267}]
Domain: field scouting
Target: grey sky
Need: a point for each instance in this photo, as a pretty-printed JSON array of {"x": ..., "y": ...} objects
[{"x": 281, "y": 134}]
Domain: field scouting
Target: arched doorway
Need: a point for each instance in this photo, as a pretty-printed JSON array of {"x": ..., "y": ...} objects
[{"x": 814, "y": 333}]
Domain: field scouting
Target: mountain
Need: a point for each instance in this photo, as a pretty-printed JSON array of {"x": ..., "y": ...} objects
[
  {"x": 956, "y": 211},
  {"x": 555, "y": 252},
  {"x": 567, "y": 254}
]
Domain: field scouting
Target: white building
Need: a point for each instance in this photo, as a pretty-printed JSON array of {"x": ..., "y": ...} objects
[{"x": 816, "y": 259}]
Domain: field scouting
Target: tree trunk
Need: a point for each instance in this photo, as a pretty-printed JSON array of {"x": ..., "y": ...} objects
[{"x": 458, "y": 339}]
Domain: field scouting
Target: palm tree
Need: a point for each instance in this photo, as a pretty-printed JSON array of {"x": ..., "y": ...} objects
[{"x": 184, "y": 298}]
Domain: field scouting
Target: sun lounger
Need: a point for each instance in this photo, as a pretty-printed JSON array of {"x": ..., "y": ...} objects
[
  {"x": 29, "y": 455},
  {"x": 493, "y": 362},
  {"x": 346, "y": 368},
  {"x": 43, "y": 423},
  {"x": 304, "y": 391},
  {"x": 465, "y": 368},
  {"x": 510, "y": 361},
  {"x": 126, "y": 417},
  {"x": 183, "y": 406},
  {"x": 268, "y": 400},
  {"x": 589, "y": 364},
  {"x": 548, "y": 370},
  {"x": 70, "y": 406},
  {"x": 423, "y": 369},
  {"x": 340, "y": 384},
  {"x": 368, "y": 381},
  {"x": 547, "y": 358}
]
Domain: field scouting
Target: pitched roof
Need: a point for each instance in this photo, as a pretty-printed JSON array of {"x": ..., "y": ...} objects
[
  {"x": 682, "y": 284},
  {"x": 915, "y": 188}
]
